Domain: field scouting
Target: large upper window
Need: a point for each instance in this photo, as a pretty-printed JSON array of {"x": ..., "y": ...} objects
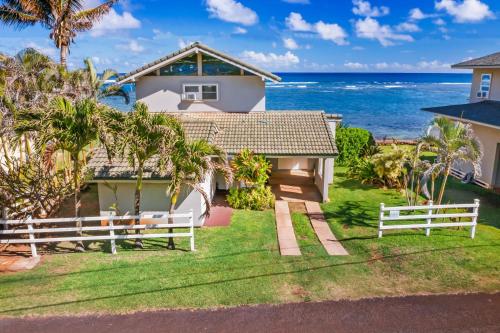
[
  {"x": 484, "y": 87},
  {"x": 214, "y": 66},
  {"x": 185, "y": 66},
  {"x": 199, "y": 92}
]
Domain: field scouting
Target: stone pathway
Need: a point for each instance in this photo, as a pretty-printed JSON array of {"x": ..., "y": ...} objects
[
  {"x": 286, "y": 235},
  {"x": 323, "y": 231}
]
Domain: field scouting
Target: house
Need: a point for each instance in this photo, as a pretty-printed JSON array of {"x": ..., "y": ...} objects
[
  {"x": 483, "y": 113},
  {"x": 222, "y": 100}
]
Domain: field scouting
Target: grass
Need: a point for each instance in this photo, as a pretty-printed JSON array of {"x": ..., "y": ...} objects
[{"x": 241, "y": 264}]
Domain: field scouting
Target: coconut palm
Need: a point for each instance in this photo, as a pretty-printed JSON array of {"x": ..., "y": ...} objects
[
  {"x": 64, "y": 18},
  {"x": 71, "y": 127},
  {"x": 190, "y": 162},
  {"x": 144, "y": 136},
  {"x": 455, "y": 142}
]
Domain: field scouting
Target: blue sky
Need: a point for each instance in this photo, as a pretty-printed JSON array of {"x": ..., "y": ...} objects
[{"x": 286, "y": 35}]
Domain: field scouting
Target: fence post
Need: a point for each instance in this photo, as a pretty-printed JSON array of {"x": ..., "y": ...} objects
[
  {"x": 112, "y": 234},
  {"x": 4, "y": 217},
  {"x": 32, "y": 237},
  {"x": 429, "y": 219},
  {"x": 380, "y": 220},
  {"x": 475, "y": 210},
  {"x": 191, "y": 229}
]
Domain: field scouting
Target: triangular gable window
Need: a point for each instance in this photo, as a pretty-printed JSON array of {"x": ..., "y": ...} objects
[
  {"x": 185, "y": 66},
  {"x": 213, "y": 66}
]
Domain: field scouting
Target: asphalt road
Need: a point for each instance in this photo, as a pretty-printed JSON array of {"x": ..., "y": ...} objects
[{"x": 442, "y": 313}]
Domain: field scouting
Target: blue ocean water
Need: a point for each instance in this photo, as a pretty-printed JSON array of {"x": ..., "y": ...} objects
[{"x": 387, "y": 104}]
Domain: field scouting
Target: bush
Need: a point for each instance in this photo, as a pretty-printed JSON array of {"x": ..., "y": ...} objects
[
  {"x": 254, "y": 198},
  {"x": 353, "y": 144},
  {"x": 250, "y": 168}
]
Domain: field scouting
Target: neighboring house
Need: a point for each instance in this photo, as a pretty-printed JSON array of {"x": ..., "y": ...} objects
[
  {"x": 483, "y": 113},
  {"x": 222, "y": 100}
]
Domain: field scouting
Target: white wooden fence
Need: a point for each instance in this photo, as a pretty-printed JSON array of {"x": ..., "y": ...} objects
[
  {"x": 428, "y": 217},
  {"x": 35, "y": 228}
]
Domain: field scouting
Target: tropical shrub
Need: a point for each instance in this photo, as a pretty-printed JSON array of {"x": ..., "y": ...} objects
[
  {"x": 250, "y": 168},
  {"x": 254, "y": 198},
  {"x": 363, "y": 170},
  {"x": 354, "y": 143},
  {"x": 390, "y": 166}
]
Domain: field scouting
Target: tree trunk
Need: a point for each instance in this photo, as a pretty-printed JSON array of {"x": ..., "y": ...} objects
[
  {"x": 137, "y": 202},
  {"x": 78, "y": 203},
  {"x": 63, "y": 54},
  {"x": 173, "y": 201},
  {"x": 443, "y": 184},
  {"x": 27, "y": 147},
  {"x": 6, "y": 154}
]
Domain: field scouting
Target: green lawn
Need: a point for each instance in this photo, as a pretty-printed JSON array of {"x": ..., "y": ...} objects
[{"x": 241, "y": 264}]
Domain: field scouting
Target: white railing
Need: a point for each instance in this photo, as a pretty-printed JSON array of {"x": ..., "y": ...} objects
[
  {"x": 428, "y": 217},
  {"x": 35, "y": 228}
]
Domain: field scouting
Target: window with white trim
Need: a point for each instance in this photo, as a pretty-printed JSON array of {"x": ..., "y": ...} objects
[
  {"x": 484, "y": 87},
  {"x": 200, "y": 92}
]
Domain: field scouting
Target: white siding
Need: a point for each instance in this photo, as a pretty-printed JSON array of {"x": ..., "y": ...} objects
[
  {"x": 236, "y": 93},
  {"x": 155, "y": 198}
]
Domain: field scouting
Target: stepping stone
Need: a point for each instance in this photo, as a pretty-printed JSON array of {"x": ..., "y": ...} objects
[
  {"x": 286, "y": 235},
  {"x": 325, "y": 235}
]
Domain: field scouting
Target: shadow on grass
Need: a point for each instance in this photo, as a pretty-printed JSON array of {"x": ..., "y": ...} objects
[
  {"x": 351, "y": 213},
  {"x": 238, "y": 279}
]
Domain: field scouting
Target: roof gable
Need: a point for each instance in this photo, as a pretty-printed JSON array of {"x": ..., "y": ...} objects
[
  {"x": 195, "y": 48},
  {"x": 491, "y": 60}
]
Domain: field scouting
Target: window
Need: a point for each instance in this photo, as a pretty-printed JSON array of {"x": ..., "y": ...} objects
[
  {"x": 197, "y": 92},
  {"x": 214, "y": 66},
  {"x": 484, "y": 88},
  {"x": 185, "y": 66}
]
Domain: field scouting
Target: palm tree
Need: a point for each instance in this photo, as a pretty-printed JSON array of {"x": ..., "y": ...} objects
[
  {"x": 190, "y": 163},
  {"x": 455, "y": 142},
  {"x": 71, "y": 127},
  {"x": 96, "y": 87},
  {"x": 64, "y": 18},
  {"x": 143, "y": 136}
]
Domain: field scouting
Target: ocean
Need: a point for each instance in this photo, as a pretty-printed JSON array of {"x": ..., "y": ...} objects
[{"x": 387, "y": 104}]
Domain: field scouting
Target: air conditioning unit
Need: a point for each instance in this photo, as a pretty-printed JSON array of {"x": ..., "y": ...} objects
[{"x": 190, "y": 96}]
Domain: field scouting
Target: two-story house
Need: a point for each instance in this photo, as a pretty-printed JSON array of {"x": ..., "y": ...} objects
[
  {"x": 483, "y": 113},
  {"x": 221, "y": 99}
]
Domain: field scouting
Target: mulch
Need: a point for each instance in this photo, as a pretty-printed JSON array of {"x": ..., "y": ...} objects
[{"x": 220, "y": 213}]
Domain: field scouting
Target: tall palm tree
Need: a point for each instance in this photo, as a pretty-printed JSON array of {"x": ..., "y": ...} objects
[
  {"x": 455, "y": 142},
  {"x": 143, "y": 136},
  {"x": 190, "y": 163},
  {"x": 71, "y": 127},
  {"x": 64, "y": 18}
]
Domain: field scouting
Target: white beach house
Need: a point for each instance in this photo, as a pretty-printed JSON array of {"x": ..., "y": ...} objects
[
  {"x": 222, "y": 100},
  {"x": 483, "y": 113}
]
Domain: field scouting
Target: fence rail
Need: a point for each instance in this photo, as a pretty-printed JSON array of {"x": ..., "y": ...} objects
[
  {"x": 428, "y": 217},
  {"x": 37, "y": 227}
]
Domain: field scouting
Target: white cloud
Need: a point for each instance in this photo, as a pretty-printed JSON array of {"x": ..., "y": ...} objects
[
  {"x": 302, "y": 2},
  {"x": 271, "y": 60},
  {"x": 364, "y": 8},
  {"x": 331, "y": 31},
  {"x": 295, "y": 22},
  {"x": 433, "y": 65},
  {"x": 326, "y": 31},
  {"x": 232, "y": 11},
  {"x": 132, "y": 46},
  {"x": 370, "y": 28},
  {"x": 416, "y": 14},
  {"x": 182, "y": 43},
  {"x": 114, "y": 22},
  {"x": 47, "y": 50},
  {"x": 407, "y": 27},
  {"x": 439, "y": 21},
  {"x": 466, "y": 10},
  {"x": 239, "y": 31},
  {"x": 159, "y": 34},
  {"x": 355, "y": 65},
  {"x": 290, "y": 43}
]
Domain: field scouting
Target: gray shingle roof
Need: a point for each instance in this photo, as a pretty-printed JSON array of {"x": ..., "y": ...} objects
[
  {"x": 202, "y": 47},
  {"x": 485, "y": 112},
  {"x": 491, "y": 60},
  {"x": 272, "y": 133}
]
